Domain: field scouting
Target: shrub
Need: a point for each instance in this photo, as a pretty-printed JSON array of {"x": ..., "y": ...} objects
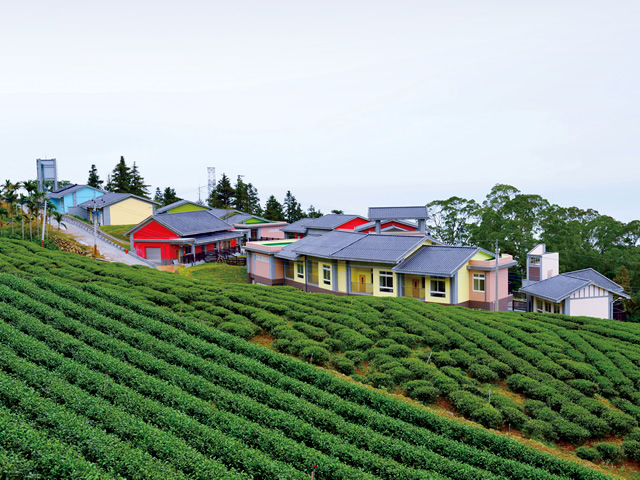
[
  {"x": 399, "y": 374},
  {"x": 353, "y": 340},
  {"x": 631, "y": 449},
  {"x": 585, "y": 387},
  {"x": 462, "y": 358},
  {"x": 345, "y": 365},
  {"x": 299, "y": 345},
  {"x": 488, "y": 417},
  {"x": 514, "y": 417},
  {"x": 442, "y": 359},
  {"x": 570, "y": 431},
  {"x": 354, "y": 355},
  {"x": 398, "y": 351},
  {"x": 239, "y": 330},
  {"x": 534, "y": 407},
  {"x": 333, "y": 344},
  {"x": 380, "y": 380},
  {"x": 282, "y": 344},
  {"x": 538, "y": 430},
  {"x": 501, "y": 369},
  {"x": 620, "y": 423},
  {"x": 590, "y": 454},
  {"x": 359, "y": 378},
  {"x": 483, "y": 373},
  {"x": 610, "y": 452},
  {"x": 315, "y": 354},
  {"x": 385, "y": 342},
  {"x": 426, "y": 394}
]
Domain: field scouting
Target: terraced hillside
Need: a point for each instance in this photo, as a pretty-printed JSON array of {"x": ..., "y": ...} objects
[{"x": 109, "y": 371}]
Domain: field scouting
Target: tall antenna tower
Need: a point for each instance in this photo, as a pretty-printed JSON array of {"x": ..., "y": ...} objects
[{"x": 212, "y": 178}]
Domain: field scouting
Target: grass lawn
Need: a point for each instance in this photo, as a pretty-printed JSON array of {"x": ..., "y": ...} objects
[
  {"x": 216, "y": 271},
  {"x": 117, "y": 231}
]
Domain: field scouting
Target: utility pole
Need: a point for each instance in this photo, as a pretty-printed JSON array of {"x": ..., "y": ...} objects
[
  {"x": 95, "y": 232},
  {"x": 44, "y": 222},
  {"x": 497, "y": 259}
]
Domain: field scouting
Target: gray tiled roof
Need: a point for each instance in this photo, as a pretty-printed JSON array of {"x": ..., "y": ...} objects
[
  {"x": 555, "y": 288},
  {"x": 61, "y": 192},
  {"x": 437, "y": 260},
  {"x": 331, "y": 221},
  {"x": 354, "y": 246},
  {"x": 111, "y": 198},
  {"x": 190, "y": 223},
  {"x": 177, "y": 204},
  {"x": 596, "y": 278},
  {"x": 558, "y": 288},
  {"x": 289, "y": 253},
  {"x": 299, "y": 226},
  {"x": 385, "y": 213}
]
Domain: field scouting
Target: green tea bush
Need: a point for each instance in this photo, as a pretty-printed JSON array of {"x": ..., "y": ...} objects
[
  {"x": 610, "y": 452},
  {"x": 631, "y": 449},
  {"x": 483, "y": 373},
  {"x": 589, "y": 454}
]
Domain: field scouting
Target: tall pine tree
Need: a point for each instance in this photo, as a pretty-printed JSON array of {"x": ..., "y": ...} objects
[
  {"x": 273, "y": 209},
  {"x": 137, "y": 186},
  {"x": 292, "y": 209},
  {"x": 120, "y": 179},
  {"x": 221, "y": 196},
  {"x": 94, "y": 180}
]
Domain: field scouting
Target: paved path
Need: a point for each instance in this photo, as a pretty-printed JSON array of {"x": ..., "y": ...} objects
[{"x": 110, "y": 252}]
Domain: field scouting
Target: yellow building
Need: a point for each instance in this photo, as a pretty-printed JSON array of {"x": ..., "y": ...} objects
[
  {"x": 119, "y": 209},
  {"x": 384, "y": 265}
]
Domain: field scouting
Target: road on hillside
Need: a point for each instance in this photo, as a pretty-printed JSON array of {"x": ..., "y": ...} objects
[{"x": 109, "y": 252}]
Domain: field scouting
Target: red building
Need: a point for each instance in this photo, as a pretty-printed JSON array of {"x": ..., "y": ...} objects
[{"x": 184, "y": 237}]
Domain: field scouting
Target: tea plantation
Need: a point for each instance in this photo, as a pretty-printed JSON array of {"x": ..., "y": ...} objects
[{"x": 109, "y": 371}]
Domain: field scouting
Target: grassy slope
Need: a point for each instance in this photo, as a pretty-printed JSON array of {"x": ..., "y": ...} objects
[{"x": 303, "y": 392}]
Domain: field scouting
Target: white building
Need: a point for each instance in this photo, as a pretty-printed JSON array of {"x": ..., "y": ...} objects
[{"x": 580, "y": 293}]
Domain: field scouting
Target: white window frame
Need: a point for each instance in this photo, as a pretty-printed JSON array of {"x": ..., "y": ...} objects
[
  {"x": 480, "y": 277},
  {"x": 299, "y": 270},
  {"x": 438, "y": 293},
  {"x": 386, "y": 281},
  {"x": 326, "y": 274}
]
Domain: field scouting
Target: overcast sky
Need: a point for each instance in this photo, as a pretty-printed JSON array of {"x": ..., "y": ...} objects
[{"x": 348, "y": 104}]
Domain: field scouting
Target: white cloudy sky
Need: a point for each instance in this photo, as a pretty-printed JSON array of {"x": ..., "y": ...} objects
[{"x": 348, "y": 104}]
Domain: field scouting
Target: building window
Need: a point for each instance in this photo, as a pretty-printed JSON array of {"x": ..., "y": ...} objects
[
  {"x": 300, "y": 268},
  {"x": 326, "y": 274},
  {"x": 478, "y": 282},
  {"x": 386, "y": 281},
  {"x": 438, "y": 287},
  {"x": 534, "y": 260}
]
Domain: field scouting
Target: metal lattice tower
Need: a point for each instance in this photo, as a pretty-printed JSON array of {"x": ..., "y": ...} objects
[
  {"x": 47, "y": 171},
  {"x": 212, "y": 178}
]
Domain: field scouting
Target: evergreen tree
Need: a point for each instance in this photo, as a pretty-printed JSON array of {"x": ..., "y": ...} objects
[
  {"x": 292, "y": 209},
  {"x": 169, "y": 196},
  {"x": 137, "y": 186},
  {"x": 94, "y": 180},
  {"x": 222, "y": 196},
  {"x": 120, "y": 179},
  {"x": 253, "y": 202},
  {"x": 240, "y": 196},
  {"x": 158, "y": 196},
  {"x": 337, "y": 212},
  {"x": 273, "y": 209},
  {"x": 313, "y": 213}
]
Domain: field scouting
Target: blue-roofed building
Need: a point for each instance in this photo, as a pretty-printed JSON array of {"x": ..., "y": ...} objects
[
  {"x": 352, "y": 263},
  {"x": 67, "y": 199},
  {"x": 579, "y": 293}
]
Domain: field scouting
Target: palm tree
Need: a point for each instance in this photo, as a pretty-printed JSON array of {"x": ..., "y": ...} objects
[
  {"x": 58, "y": 218},
  {"x": 10, "y": 197},
  {"x": 21, "y": 202},
  {"x": 31, "y": 186}
]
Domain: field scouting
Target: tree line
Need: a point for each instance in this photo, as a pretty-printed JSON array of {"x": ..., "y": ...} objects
[
  {"x": 518, "y": 222},
  {"x": 241, "y": 196}
]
